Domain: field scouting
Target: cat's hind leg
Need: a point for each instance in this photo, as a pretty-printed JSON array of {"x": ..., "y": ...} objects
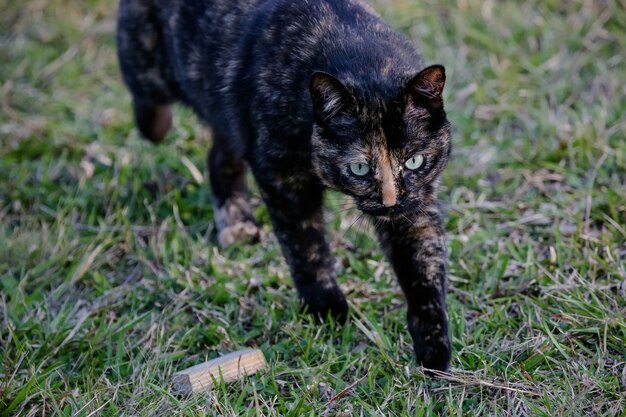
[
  {"x": 232, "y": 209},
  {"x": 145, "y": 68}
]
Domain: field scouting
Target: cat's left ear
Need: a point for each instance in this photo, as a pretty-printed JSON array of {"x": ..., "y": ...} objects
[{"x": 427, "y": 87}]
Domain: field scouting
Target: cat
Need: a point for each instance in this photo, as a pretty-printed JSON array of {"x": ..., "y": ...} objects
[{"x": 309, "y": 95}]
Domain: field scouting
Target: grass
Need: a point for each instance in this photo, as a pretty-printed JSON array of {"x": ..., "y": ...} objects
[{"x": 109, "y": 280}]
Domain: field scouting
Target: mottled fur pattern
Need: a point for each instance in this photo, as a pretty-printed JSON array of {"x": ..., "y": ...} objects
[{"x": 300, "y": 91}]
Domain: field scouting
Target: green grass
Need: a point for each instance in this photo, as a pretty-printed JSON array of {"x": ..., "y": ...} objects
[{"x": 109, "y": 280}]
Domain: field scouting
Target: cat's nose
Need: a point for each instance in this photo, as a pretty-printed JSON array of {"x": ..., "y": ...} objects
[
  {"x": 389, "y": 200},
  {"x": 389, "y": 195}
]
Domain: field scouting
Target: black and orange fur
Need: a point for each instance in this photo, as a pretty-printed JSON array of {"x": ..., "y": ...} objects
[{"x": 297, "y": 91}]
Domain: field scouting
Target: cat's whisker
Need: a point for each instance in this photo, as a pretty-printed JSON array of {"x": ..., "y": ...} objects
[
  {"x": 408, "y": 220},
  {"x": 362, "y": 222},
  {"x": 342, "y": 204},
  {"x": 362, "y": 229},
  {"x": 345, "y": 209},
  {"x": 359, "y": 217},
  {"x": 338, "y": 197}
]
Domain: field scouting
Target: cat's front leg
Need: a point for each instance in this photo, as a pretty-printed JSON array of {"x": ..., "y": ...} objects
[
  {"x": 415, "y": 246},
  {"x": 296, "y": 210}
]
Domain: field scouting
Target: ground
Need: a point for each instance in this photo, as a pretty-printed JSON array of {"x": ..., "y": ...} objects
[{"x": 110, "y": 279}]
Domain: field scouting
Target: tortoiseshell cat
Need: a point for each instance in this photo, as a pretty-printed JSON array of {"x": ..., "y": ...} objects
[{"x": 309, "y": 95}]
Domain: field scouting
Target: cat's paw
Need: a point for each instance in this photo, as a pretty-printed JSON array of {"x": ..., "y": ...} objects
[
  {"x": 433, "y": 354},
  {"x": 235, "y": 223},
  {"x": 324, "y": 302},
  {"x": 243, "y": 232}
]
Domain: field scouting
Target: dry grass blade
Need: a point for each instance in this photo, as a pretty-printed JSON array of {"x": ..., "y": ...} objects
[{"x": 467, "y": 379}]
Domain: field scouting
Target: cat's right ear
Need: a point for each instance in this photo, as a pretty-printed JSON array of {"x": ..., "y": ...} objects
[{"x": 330, "y": 97}]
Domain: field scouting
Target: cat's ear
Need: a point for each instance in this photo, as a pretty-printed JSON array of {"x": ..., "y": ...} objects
[
  {"x": 330, "y": 97},
  {"x": 427, "y": 87}
]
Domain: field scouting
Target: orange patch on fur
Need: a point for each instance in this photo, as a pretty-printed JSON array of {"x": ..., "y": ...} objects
[{"x": 385, "y": 175}]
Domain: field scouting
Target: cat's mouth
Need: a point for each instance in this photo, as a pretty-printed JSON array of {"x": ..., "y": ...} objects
[{"x": 390, "y": 213}]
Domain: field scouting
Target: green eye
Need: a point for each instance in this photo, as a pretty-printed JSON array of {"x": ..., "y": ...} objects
[
  {"x": 414, "y": 162},
  {"x": 359, "y": 168}
]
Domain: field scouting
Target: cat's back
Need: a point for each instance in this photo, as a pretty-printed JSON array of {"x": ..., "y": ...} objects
[
  {"x": 252, "y": 59},
  {"x": 196, "y": 40},
  {"x": 291, "y": 40}
]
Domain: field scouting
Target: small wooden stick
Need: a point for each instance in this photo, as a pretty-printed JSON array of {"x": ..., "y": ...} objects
[{"x": 230, "y": 367}]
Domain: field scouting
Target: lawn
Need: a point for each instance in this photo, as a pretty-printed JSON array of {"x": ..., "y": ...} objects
[{"x": 110, "y": 279}]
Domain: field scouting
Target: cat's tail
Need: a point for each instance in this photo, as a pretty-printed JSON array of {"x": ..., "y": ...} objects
[
  {"x": 145, "y": 67},
  {"x": 153, "y": 121}
]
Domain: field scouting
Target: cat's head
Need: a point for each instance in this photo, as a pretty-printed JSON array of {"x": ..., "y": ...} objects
[{"x": 386, "y": 152}]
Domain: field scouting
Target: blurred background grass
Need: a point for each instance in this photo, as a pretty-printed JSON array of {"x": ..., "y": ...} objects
[{"x": 110, "y": 281}]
